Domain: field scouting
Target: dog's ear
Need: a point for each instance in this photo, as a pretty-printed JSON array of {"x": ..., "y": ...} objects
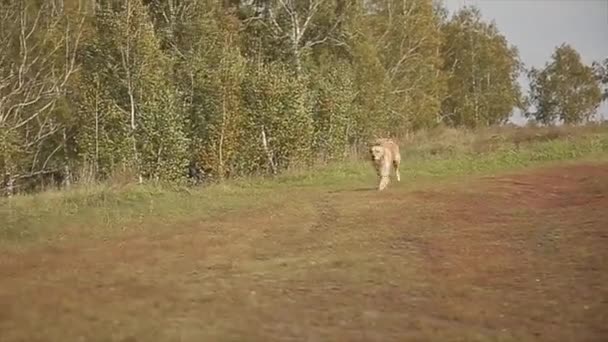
[{"x": 373, "y": 142}]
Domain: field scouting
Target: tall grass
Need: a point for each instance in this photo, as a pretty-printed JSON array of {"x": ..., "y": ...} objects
[
  {"x": 444, "y": 141},
  {"x": 102, "y": 209}
]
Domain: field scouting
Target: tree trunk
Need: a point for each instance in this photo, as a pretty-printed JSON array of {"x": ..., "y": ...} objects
[
  {"x": 273, "y": 167},
  {"x": 9, "y": 185},
  {"x": 67, "y": 174}
]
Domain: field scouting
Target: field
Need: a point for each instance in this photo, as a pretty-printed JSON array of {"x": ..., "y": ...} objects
[{"x": 493, "y": 237}]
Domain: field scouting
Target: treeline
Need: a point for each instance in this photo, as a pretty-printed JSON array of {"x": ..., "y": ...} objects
[{"x": 91, "y": 88}]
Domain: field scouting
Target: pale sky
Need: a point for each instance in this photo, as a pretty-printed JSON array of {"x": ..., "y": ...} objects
[{"x": 536, "y": 27}]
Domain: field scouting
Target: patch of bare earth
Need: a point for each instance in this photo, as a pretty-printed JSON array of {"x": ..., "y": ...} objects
[{"x": 517, "y": 257}]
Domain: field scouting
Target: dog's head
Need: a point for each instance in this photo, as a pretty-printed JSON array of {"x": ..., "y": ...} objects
[{"x": 376, "y": 152}]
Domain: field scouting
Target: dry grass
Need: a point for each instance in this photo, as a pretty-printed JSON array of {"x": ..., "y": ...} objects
[{"x": 451, "y": 141}]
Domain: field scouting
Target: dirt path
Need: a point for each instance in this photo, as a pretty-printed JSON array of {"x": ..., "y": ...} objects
[{"x": 519, "y": 257}]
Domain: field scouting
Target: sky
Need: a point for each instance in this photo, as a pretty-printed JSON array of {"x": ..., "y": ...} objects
[{"x": 536, "y": 27}]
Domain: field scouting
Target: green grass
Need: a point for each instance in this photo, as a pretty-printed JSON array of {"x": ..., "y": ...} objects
[{"x": 103, "y": 210}]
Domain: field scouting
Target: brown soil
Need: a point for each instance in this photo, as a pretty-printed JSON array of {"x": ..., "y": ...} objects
[{"x": 519, "y": 257}]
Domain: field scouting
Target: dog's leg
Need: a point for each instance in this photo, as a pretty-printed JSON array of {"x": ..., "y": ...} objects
[
  {"x": 383, "y": 183},
  {"x": 385, "y": 173},
  {"x": 397, "y": 163},
  {"x": 396, "y": 167}
]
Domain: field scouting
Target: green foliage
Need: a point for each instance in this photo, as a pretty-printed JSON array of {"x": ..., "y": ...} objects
[
  {"x": 130, "y": 97},
  {"x": 334, "y": 95},
  {"x": 407, "y": 36},
  {"x": 103, "y": 130},
  {"x": 601, "y": 73},
  {"x": 373, "y": 93},
  {"x": 481, "y": 70},
  {"x": 223, "y": 120},
  {"x": 565, "y": 89},
  {"x": 198, "y": 44},
  {"x": 36, "y": 64},
  {"x": 277, "y": 105},
  {"x": 139, "y": 88}
]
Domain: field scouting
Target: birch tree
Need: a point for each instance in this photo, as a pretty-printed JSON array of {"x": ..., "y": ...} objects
[
  {"x": 601, "y": 73},
  {"x": 291, "y": 26},
  {"x": 408, "y": 37},
  {"x": 565, "y": 89},
  {"x": 139, "y": 101},
  {"x": 39, "y": 57},
  {"x": 481, "y": 69}
]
